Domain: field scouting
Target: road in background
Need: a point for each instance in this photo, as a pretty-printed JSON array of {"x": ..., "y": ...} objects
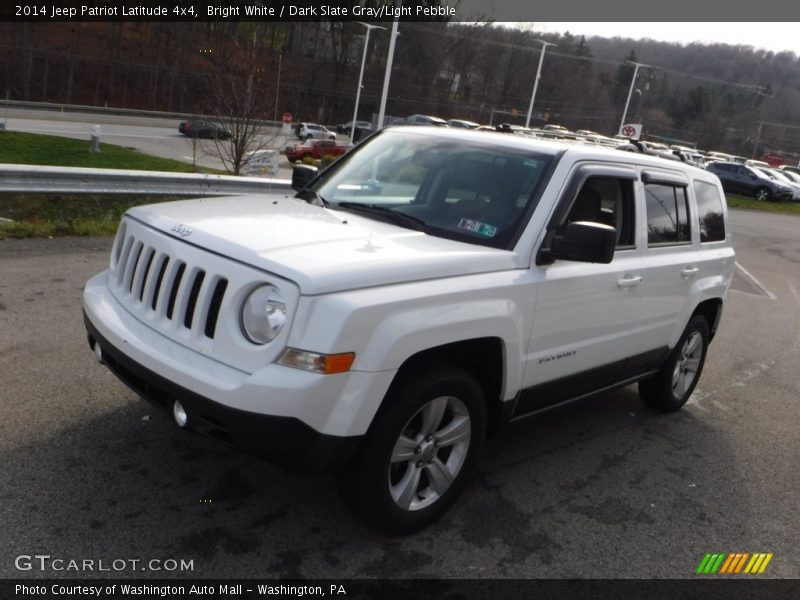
[
  {"x": 602, "y": 488},
  {"x": 155, "y": 136}
]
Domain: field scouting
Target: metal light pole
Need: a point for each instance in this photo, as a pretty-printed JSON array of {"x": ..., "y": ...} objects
[
  {"x": 536, "y": 81},
  {"x": 389, "y": 61},
  {"x": 361, "y": 76},
  {"x": 630, "y": 91},
  {"x": 278, "y": 86}
]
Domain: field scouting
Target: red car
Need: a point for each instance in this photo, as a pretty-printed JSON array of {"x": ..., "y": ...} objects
[{"x": 315, "y": 149}]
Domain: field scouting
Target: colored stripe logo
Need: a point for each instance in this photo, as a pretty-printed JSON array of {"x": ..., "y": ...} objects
[{"x": 734, "y": 563}]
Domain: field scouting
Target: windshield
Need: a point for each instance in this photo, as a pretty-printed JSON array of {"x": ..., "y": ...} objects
[{"x": 466, "y": 189}]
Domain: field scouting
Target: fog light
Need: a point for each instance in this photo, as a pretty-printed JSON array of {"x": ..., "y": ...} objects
[
  {"x": 179, "y": 414},
  {"x": 98, "y": 352}
]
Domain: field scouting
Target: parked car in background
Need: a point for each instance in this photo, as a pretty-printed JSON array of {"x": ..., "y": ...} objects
[
  {"x": 737, "y": 178},
  {"x": 776, "y": 175},
  {"x": 756, "y": 163},
  {"x": 203, "y": 129},
  {"x": 717, "y": 156},
  {"x": 307, "y": 131},
  {"x": 462, "y": 123},
  {"x": 346, "y": 127},
  {"x": 558, "y": 128},
  {"x": 790, "y": 168},
  {"x": 792, "y": 175},
  {"x": 426, "y": 120},
  {"x": 315, "y": 149}
]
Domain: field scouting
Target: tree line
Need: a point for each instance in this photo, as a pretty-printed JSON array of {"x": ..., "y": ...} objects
[{"x": 732, "y": 98}]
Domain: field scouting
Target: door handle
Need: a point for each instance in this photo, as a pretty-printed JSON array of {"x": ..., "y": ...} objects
[
  {"x": 689, "y": 271},
  {"x": 628, "y": 281}
]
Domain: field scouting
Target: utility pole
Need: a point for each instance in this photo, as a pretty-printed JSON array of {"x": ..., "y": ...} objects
[
  {"x": 278, "y": 85},
  {"x": 536, "y": 81},
  {"x": 630, "y": 91},
  {"x": 389, "y": 60},
  {"x": 361, "y": 76}
]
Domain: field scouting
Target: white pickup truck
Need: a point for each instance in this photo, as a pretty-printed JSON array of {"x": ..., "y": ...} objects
[{"x": 428, "y": 286}]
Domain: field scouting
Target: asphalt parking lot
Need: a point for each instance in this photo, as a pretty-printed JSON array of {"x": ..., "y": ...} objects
[{"x": 603, "y": 488}]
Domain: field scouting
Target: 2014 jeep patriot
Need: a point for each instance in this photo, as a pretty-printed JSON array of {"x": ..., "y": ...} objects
[{"x": 426, "y": 287}]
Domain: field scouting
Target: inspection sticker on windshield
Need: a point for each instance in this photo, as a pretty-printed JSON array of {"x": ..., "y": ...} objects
[{"x": 483, "y": 229}]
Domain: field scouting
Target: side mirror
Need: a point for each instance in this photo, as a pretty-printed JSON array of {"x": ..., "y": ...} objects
[
  {"x": 585, "y": 241},
  {"x": 301, "y": 175}
]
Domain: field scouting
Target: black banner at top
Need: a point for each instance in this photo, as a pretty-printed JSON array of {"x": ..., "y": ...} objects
[
  {"x": 236, "y": 10},
  {"x": 385, "y": 10}
]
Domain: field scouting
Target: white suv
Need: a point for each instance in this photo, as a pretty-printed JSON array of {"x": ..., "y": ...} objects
[
  {"x": 308, "y": 131},
  {"x": 426, "y": 287}
]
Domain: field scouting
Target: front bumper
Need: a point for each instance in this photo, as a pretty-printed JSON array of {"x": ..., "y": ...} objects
[
  {"x": 282, "y": 440},
  {"x": 306, "y": 421}
]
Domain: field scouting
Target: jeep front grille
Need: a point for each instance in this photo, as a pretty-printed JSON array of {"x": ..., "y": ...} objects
[
  {"x": 149, "y": 280},
  {"x": 190, "y": 294}
]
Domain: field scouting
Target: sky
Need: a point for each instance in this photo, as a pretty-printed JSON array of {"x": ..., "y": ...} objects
[{"x": 770, "y": 36}]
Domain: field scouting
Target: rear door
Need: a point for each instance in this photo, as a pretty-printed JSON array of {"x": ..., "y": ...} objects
[
  {"x": 589, "y": 317},
  {"x": 673, "y": 263}
]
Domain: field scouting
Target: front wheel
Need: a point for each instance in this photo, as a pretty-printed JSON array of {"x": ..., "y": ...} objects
[
  {"x": 416, "y": 458},
  {"x": 762, "y": 194},
  {"x": 674, "y": 383}
]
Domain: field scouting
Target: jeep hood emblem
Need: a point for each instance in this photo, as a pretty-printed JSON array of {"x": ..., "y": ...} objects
[{"x": 181, "y": 230}]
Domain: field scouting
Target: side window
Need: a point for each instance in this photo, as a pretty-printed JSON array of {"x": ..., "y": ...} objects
[
  {"x": 667, "y": 214},
  {"x": 709, "y": 212},
  {"x": 607, "y": 200}
]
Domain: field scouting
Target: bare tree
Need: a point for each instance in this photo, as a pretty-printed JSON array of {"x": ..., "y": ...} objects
[{"x": 240, "y": 96}]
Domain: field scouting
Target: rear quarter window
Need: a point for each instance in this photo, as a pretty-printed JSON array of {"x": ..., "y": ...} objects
[{"x": 709, "y": 212}]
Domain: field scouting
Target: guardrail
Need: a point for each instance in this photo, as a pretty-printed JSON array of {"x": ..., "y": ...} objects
[{"x": 77, "y": 180}]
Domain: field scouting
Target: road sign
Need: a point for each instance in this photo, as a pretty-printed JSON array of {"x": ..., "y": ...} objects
[{"x": 631, "y": 130}]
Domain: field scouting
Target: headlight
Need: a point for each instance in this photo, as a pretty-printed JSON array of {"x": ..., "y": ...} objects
[{"x": 263, "y": 314}]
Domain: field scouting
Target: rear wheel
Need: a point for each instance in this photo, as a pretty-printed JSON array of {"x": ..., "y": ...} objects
[
  {"x": 674, "y": 383},
  {"x": 417, "y": 456},
  {"x": 762, "y": 193}
]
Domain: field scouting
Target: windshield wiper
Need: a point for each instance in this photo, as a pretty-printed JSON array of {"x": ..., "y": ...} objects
[
  {"x": 399, "y": 218},
  {"x": 312, "y": 197}
]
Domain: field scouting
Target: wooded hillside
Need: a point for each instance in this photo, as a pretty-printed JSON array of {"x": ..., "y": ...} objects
[{"x": 731, "y": 98}]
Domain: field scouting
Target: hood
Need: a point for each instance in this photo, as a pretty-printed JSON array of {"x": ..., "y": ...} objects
[{"x": 321, "y": 250}]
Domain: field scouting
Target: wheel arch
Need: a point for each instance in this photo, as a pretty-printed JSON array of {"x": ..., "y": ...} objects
[
  {"x": 711, "y": 310},
  {"x": 483, "y": 358}
]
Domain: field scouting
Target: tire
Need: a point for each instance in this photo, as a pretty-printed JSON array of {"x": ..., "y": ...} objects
[
  {"x": 292, "y": 160},
  {"x": 762, "y": 194},
  {"x": 674, "y": 383},
  {"x": 432, "y": 423}
]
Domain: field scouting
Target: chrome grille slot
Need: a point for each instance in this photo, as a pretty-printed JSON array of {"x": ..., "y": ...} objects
[
  {"x": 164, "y": 260},
  {"x": 123, "y": 260},
  {"x": 173, "y": 286},
  {"x": 213, "y": 308},
  {"x": 192, "y": 300},
  {"x": 141, "y": 280},
  {"x": 135, "y": 256}
]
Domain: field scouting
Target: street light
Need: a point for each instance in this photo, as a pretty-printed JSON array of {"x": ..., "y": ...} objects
[
  {"x": 389, "y": 60},
  {"x": 361, "y": 76},
  {"x": 630, "y": 91},
  {"x": 536, "y": 81}
]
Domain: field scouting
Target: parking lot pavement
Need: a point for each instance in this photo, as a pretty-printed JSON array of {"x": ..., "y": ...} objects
[{"x": 603, "y": 488}]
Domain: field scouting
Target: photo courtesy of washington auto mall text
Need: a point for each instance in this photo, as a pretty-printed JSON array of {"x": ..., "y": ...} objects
[{"x": 200, "y": 590}]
